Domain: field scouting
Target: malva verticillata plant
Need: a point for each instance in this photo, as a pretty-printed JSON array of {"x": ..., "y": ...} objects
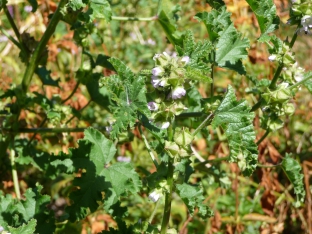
[{"x": 160, "y": 103}]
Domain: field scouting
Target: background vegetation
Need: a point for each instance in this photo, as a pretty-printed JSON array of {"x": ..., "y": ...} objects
[{"x": 259, "y": 204}]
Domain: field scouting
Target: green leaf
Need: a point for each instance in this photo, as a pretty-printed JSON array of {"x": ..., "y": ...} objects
[
  {"x": 236, "y": 120},
  {"x": 34, "y": 5},
  {"x": 128, "y": 91},
  {"x": 99, "y": 95},
  {"x": 100, "y": 9},
  {"x": 265, "y": 11},
  {"x": 98, "y": 182},
  {"x": 193, "y": 198},
  {"x": 45, "y": 77},
  {"x": 76, "y": 4},
  {"x": 293, "y": 171},
  {"x": 173, "y": 36},
  {"x": 35, "y": 206},
  {"x": 2, "y": 3},
  {"x": 28, "y": 228},
  {"x": 230, "y": 47},
  {"x": 308, "y": 83},
  {"x": 216, "y": 4},
  {"x": 123, "y": 179},
  {"x": 90, "y": 158},
  {"x": 102, "y": 60},
  {"x": 16, "y": 212}
]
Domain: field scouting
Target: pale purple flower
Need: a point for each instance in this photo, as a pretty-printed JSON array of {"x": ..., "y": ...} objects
[
  {"x": 158, "y": 71},
  {"x": 151, "y": 41},
  {"x": 185, "y": 59},
  {"x": 178, "y": 92},
  {"x": 153, "y": 106},
  {"x": 272, "y": 57},
  {"x": 28, "y": 8},
  {"x": 123, "y": 159}
]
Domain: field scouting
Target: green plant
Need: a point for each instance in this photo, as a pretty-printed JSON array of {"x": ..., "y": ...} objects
[{"x": 161, "y": 101}]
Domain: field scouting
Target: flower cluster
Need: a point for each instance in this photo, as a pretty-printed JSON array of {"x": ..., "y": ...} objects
[
  {"x": 169, "y": 78},
  {"x": 301, "y": 12},
  {"x": 169, "y": 74}
]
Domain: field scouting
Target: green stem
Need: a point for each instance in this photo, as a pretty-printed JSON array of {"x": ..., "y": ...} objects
[
  {"x": 263, "y": 137},
  {"x": 41, "y": 46},
  {"x": 150, "y": 220},
  {"x": 203, "y": 124},
  {"x": 15, "y": 42},
  {"x": 44, "y": 130},
  {"x": 14, "y": 175},
  {"x": 17, "y": 34},
  {"x": 167, "y": 208},
  {"x": 190, "y": 115},
  {"x": 213, "y": 161},
  {"x": 300, "y": 82},
  {"x": 276, "y": 75},
  {"x": 168, "y": 199},
  {"x": 212, "y": 76},
  {"x": 269, "y": 166},
  {"x": 148, "y": 147},
  {"x": 122, "y": 18},
  {"x": 257, "y": 105}
]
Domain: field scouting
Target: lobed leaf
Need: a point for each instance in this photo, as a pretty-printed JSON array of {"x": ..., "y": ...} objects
[
  {"x": 235, "y": 118},
  {"x": 28, "y": 228},
  {"x": 98, "y": 182},
  {"x": 230, "y": 47},
  {"x": 128, "y": 91},
  {"x": 293, "y": 171},
  {"x": 193, "y": 198},
  {"x": 265, "y": 11}
]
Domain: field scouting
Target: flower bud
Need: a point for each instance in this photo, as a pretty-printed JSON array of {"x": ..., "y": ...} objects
[{"x": 289, "y": 108}]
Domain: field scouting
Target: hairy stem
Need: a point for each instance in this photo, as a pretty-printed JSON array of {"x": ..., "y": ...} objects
[
  {"x": 150, "y": 220},
  {"x": 14, "y": 175},
  {"x": 148, "y": 147},
  {"x": 300, "y": 82},
  {"x": 12, "y": 39},
  {"x": 41, "y": 46},
  {"x": 168, "y": 199},
  {"x": 212, "y": 76},
  {"x": 203, "y": 124}
]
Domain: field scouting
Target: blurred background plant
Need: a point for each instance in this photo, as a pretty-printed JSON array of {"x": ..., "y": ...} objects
[{"x": 260, "y": 204}]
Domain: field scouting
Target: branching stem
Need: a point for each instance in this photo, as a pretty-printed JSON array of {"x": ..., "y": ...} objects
[
  {"x": 41, "y": 46},
  {"x": 203, "y": 124},
  {"x": 148, "y": 147}
]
